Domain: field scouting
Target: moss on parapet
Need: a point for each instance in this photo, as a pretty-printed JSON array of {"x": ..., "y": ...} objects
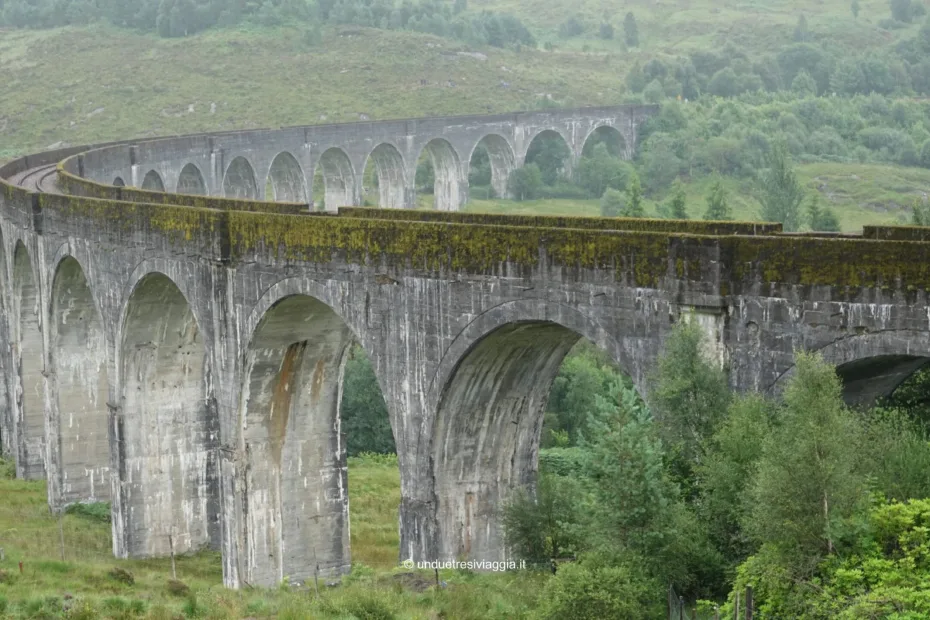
[
  {"x": 897, "y": 233},
  {"x": 693, "y": 227},
  {"x": 837, "y": 262}
]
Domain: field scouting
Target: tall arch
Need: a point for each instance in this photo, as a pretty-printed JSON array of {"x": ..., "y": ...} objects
[
  {"x": 551, "y": 151},
  {"x": 239, "y": 180},
  {"x": 167, "y": 431},
  {"x": 502, "y": 159},
  {"x": 296, "y": 501},
  {"x": 79, "y": 385},
  {"x": 153, "y": 182},
  {"x": 450, "y": 188},
  {"x": 119, "y": 182},
  {"x": 389, "y": 170},
  {"x": 338, "y": 179},
  {"x": 7, "y": 445},
  {"x": 287, "y": 179},
  {"x": 610, "y": 137},
  {"x": 486, "y": 436},
  {"x": 29, "y": 393},
  {"x": 190, "y": 181}
]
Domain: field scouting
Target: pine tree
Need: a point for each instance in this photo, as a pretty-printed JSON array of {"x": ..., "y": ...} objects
[
  {"x": 717, "y": 206},
  {"x": 800, "y": 31},
  {"x": 630, "y": 30},
  {"x": 676, "y": 206},
  {"x": 780, "y": 191},
  {"x": 822, "y": 218}
]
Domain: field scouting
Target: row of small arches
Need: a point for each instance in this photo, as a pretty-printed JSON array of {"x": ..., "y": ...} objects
[{"x": 286, "y": 181}]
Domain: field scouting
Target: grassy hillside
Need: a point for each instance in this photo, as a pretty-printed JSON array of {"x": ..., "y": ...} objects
[{"x": 82, "y": 585}]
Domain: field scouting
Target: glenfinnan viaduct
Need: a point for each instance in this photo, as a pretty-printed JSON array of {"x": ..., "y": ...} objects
[{"x": 173, "y": 340}]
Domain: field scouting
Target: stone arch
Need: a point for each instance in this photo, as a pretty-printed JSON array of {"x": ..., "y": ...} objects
[
  {"x": 338, "y": 179},
  {"x": 565, "y": 166},
  {"x": 871, "y": 365},
  {"x": 119, "y": 182},
  {"x": 503, "y": 162},
  {"x": 29, "y": 393},
  {"x": 153, "y": 182},
  {"x": 296, "y": 483},
  {"x": 490, "y": 392},
  {"x": 287, "y": 179},
  {"x": 450, "y": 187},
  {"x": 389, "y": 168},
  {"x": 612, "y": 137},
  {"x": 167, "y": 428},
  {"x": 239, "y": 180},
  {"x": 79, "y": 386},
  {"x": 190, "y": 181},
  {"x": 7, "y": 445}
]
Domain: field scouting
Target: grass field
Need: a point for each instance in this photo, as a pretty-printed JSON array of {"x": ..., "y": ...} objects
[{"x": 82, "y": 586}]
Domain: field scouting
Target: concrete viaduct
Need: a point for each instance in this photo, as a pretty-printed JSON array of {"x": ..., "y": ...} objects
[{"x": 180, "y": 354}]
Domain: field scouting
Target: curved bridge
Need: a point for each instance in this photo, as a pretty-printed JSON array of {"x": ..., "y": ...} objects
[{"x": 181, "y": 355}]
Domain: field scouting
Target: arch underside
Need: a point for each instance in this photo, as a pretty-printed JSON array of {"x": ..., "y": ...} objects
[
  {"x": 612, "y": 137},
  {"x": 486, "y": 439},
  {"x": 79, "y": 372},
  {"x": 153, "y": 182},
  {"x": 239, "y": 180},
  {"x": 338, "y": 179},
  {"x": 502, "y": 161},
  {"x": 389, "y": 167},
  {"x": 168, "y": 433},
  {"x": 29, "y": 393},
  {"x": 287, "y": 179},
  {"x": 449, "y": 188},
  {"x": 190, "y": 181},
  {"x": 295, "y": 500},
  {"x": 867, "y": 380}
]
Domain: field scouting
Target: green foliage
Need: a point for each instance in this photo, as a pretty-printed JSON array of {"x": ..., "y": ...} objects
[
  {"x": 801, "y": 32},
  {"x": 897, "y": 453},
  {"x": 605, "y": 31},
  {"x": 94, "y": 511},
  {"x": 634, "y": 198},
  {"x": 821, "y": 218},
  {"x": 586, "y": 374},
  {"x": 902, "y": 10},
  {"x": 571, "y": 27},
  {"x": 594, "y": 589},
  {"x": 676, "y": 205},
  {"x": 549, "y": 152},
  {"x": 654, "y": 92},
  {"x": 525, "y": 183},
  {"x": 364, "y": 414},
  {"x": 717, "y": 205},
  {"x": 563, "y": 461},
  {"x": 540, "y": 526},
  {"x": 803, "y": 85},
  {"x": 779, "y": 190},
  {"x": 7, "y": 469},
  {"x": 809, "y": 482},
  {"x": 601, "y": 170}
]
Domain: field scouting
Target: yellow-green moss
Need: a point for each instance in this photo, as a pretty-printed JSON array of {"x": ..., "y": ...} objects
[
  {"x": 897, "y": 233},
  {"x": 694, "y": 227}
]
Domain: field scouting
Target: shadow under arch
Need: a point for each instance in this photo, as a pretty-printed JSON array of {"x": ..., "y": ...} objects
[
  {"x": 190, "y": 181},
  {"x": 295, "y": 495},
  {"x": 79, "y": 387},
  {"x": 389, "y": 167},
  {"x": 286, "y": 179},
  {"x": 239, "y": 180},
  {"x": 490, "y": 408},
  {"x": 872, "y": 365},
  {"x": 153, "y": 182},
  {"x": 167, "y": 430},
  {"x": 551, "y": 150},
  {"x": 610, "y": 136},
  {"x": 29, "y": 391},
  {"x": 338, "y": 176},
  {"x": 502, "y": 159},
  {"x": 119, "y": 182}
]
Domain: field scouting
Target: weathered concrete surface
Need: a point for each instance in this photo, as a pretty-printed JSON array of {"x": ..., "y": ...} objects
[{"x": 210, "y": 345}]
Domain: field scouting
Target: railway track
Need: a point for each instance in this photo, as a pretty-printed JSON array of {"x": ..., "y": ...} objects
[{"x": 39, "y": 179}]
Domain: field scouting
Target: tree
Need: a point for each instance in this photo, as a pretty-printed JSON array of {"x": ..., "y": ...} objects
[
  {"x": 571, "y": 27},
  {"x": 654, "y": 92},
  {"x": 634, "y": 198},
  {"x": 364, "y": 415},
  {"x": 613, "y": 203},
  {"x": 780, "y": 191},
  {"x": 822, "y": 218},
  {"x": 636, "y": 79},
  {"x": 549, "y": 152},
  {"x": 630, "y": 30},
  {"x": 606, "y": 31},
  {"x": 524, "y": 183},
  {"x": 854, "y": 7},
  {"x": 601, "y": 170},
  {"x": 801, "y": 33},
  {"x": 676, "y": 205},
  {"x": 723, "y": 83},
  {"x": 902, "y": 10},
  {"x": 717, "y": 206},
  {"x": 920, "y": 213},
  {"x": 803, "y": 84},
  {"x": 808, "y": 483}
]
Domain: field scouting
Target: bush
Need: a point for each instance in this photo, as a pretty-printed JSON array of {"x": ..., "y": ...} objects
[
  {"x": 540, "y": 526},
  {"x": 613, "y": 203},
  {"x": 525, "y": 183},
  {"x": 93, "y": 511}
]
